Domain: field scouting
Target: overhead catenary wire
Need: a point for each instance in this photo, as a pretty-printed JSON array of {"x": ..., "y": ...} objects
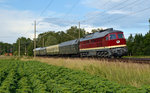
[
  {"x": 71, "y": 9},
  {"x": 39, "y": 22},
  {"x": 106, "y": 10},
  {"x": 133, "y": 13},
  {"x": 44, "y": 10},
  {"x": 68, "y": 12},
  {"x": 49, "y": 4},
  {"x": 135, "y": 2}
]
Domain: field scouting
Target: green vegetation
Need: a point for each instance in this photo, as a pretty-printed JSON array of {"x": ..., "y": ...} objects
[
  {"x": 139, "y": 45},
  {"x": 52, "y": 37},
  {"x": 32, "y": 76},
  {"x": 35, "y": 77},
  {"x": 26, "y": 47},
  {"x": 5, "y": 48},
  {"x": 128, "y": 74}
]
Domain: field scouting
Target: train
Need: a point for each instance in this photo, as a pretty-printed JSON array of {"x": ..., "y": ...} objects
[{"x": 108, "y": 43}]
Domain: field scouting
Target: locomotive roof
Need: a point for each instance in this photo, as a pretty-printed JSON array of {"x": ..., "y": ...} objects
[
  {"x": 42, "y": 48},
  {"x": 69, "y": 42},
  {"x": 98, "y": 34}
]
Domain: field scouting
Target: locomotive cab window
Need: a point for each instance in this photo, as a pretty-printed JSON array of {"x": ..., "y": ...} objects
[
  {"x": 120, "y": 36},
  {"x": 112, "y": 36},
  {"x": 107, "y": 38}
]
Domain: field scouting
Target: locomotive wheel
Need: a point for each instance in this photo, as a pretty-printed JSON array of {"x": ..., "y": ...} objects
[{"x": 98, "y": 54}]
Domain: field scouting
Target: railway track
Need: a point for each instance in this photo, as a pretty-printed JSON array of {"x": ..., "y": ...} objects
[
  {"x": 125, "y": 60},
  {"x": 130, "y": 60}
]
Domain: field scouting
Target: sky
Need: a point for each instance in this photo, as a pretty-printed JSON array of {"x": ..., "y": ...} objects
[{"x": 17, "y": 16}]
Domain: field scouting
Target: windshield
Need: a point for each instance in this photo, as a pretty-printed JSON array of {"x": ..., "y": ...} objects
[
  {"x": 120, "y": 36},
  {"x": 112, "y": 36}
]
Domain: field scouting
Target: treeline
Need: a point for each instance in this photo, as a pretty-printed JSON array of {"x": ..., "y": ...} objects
[
  {"x": 52, "y": 37},
  {"x": 26, "y": 47},
  {"x": 5, "y": 48},
  {"x": 43, "y": 40},
  {"x": 139, "y": 45}
]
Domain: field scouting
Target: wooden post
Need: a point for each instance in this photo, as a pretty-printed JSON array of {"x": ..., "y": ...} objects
[
  {"x": 79, "y": 30},
  {"x": 43, "y": 41},
  {"x": 34, "y": 38},
  {"x": 19, "y": 48}
]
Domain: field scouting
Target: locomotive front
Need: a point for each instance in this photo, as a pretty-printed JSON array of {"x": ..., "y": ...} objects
[{"x": 116, "y": 43}]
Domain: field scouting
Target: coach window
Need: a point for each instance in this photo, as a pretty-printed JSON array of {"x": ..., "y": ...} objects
[
  {"x": 87, "y": 42},
  {"x": 112, "y": 36},
  {"x": 93, "y": 41}
]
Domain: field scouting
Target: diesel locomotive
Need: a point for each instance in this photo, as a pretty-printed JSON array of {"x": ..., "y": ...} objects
[{"x": 104, "y": 43}]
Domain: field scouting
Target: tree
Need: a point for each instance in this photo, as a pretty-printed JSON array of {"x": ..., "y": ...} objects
[
  {"x": 96, "y": 30},
  {"x": 147, "y": 44},
  {"x": 73, "y": 33},
  {"x": 130, "y": 41},
  {"x": 5, "y": 48},
  {"x": 138, "y": 44},
  {"x": 53, "y": 38},
  {"x": 26, "y": 46}
]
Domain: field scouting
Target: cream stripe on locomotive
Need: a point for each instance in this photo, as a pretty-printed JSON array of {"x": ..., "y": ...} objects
[{"x": 103, "y": 47}]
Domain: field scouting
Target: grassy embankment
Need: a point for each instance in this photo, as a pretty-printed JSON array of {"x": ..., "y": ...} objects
[{"x": 123, "y": 73}]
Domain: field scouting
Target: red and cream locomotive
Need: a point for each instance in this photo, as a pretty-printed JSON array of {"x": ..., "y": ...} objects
[{"x": 105, "y": 43}]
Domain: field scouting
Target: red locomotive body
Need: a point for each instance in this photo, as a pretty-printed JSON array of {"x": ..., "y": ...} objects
[{"x": 106, "y": 43}]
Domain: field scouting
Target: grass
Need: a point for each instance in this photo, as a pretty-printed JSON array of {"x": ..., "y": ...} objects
[
  {"x": 136, "y": 57},
  {"x": 133, "y": 74},
  {"x": 123, "y": 73}
]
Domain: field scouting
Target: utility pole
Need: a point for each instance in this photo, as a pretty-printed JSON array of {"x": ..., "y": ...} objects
[
  {"x": 19, "y": 48},
  {"x": 25, "y": 51},
  {"x": 79, "y": 30},
  {"x": 34, "y": 38},
  {"x": 149, "y": 24},
  {"x": 43, "y": 41}
]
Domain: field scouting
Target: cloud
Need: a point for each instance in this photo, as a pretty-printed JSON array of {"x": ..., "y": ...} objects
[
  {"x": 59, "y": 21},
  {"x": 14, "y": 24},
  {"x": 118, "y": 12},
  {"x": 45, "y": 26},
  {"x": 113, "y": 13}
]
